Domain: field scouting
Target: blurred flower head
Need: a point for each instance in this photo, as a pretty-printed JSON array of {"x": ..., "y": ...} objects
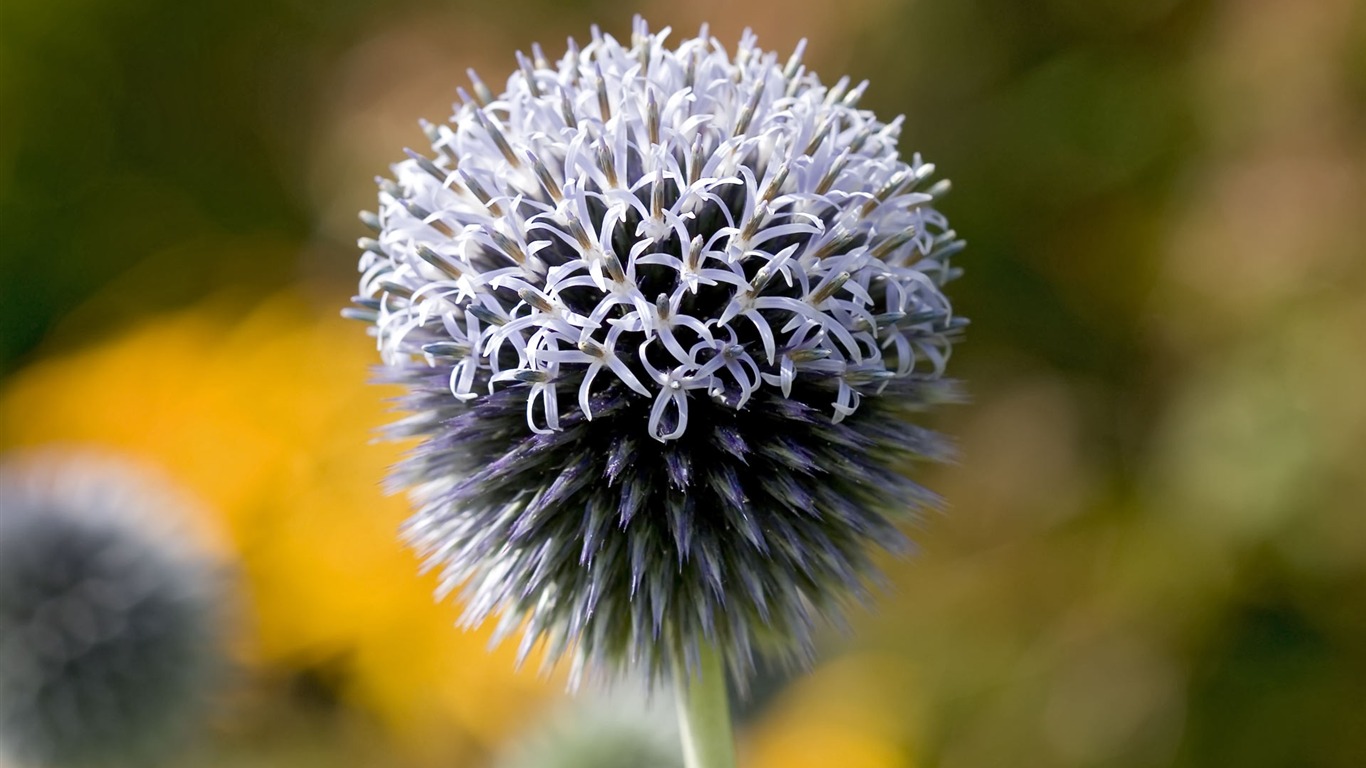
[
  {"x": 658, "y": 310},
  {"x": 623, "y": 729},
  {"x": 108, "y": 613},
  {"x": 261, "y": 425}
]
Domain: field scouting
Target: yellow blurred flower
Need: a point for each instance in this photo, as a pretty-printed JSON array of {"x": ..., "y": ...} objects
[
  {"x": 851, "y": 712},
  {"x": 269, "y": 419}
]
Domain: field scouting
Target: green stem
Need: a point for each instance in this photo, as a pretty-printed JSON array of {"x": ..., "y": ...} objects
[{"x": 704, "y": 713}]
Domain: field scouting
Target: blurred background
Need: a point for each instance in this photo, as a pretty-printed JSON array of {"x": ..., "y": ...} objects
[{"x": 1155, "y": 553}]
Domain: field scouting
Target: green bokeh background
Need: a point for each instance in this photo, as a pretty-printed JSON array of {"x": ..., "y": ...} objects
[{"x": 1156, "y": 550}]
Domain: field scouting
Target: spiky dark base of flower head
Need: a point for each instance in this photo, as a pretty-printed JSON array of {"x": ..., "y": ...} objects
[
  {"x": 659, "y": 308},
  {"x": 745, "y": 533},
  {"x": 106, "y": 625}
]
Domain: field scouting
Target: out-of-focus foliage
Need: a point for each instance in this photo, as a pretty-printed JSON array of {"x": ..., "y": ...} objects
[{"x": 1156, "y": 550}]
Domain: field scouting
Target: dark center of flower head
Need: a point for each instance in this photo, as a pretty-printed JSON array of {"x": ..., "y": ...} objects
[{"x": 656, "y": 307}]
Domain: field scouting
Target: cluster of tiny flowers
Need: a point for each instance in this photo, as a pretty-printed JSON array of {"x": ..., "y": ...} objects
[
  {"x": 688, "y": 273},
  {"x": 107, "y": 614}
]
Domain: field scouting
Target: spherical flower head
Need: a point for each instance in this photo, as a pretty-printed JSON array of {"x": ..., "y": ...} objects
[
  {"x": 106, "y": 615},
  {"x": 623, "y": 728},
  {"x": 658, "y": 310}
]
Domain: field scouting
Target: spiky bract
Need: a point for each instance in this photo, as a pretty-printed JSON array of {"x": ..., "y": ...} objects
[
  {"x": 106, "y": 622},
  {"x": 659, "y": 310}
]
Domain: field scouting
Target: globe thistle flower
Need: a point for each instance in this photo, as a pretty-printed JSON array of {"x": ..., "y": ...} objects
[
  {"x": 106, "y": 615},
  {"x": 622, "y": 729},
  {"x": 659, "y": 311}
]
